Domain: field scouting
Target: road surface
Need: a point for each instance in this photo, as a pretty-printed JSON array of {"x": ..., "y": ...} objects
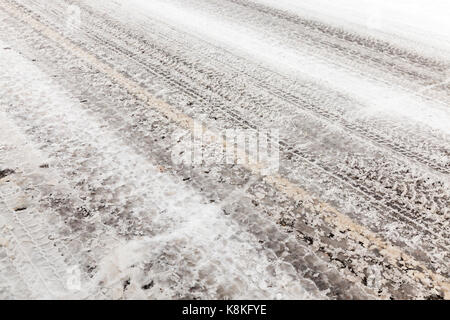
[{"x": 101, "y": 100}]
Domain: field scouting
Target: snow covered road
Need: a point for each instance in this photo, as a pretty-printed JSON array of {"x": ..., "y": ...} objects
[{"x": 99, "y": 100}]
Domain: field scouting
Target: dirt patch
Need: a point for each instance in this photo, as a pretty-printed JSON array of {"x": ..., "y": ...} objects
[{"x": 5, "y": 173}]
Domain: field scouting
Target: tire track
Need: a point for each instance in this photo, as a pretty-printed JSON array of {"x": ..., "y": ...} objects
[
  {"x": 130, "y": 86},
  {"x": 388, "y": 204},
  {"x": 315, "y": 109}
]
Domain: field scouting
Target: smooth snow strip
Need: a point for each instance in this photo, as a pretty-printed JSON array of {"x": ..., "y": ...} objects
[
  {"x": 194, "y": 243},
  {"x": 425, "y": 22},
  {"x": 379, "y": 98}
]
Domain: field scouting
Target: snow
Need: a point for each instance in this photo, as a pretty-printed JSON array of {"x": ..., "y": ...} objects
[
  {"x": 380, "y": 99},
  {"x": 192, "y": 239},
  {"x": 422, "y": 21},
  {"x": 177, "y": 241}
]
